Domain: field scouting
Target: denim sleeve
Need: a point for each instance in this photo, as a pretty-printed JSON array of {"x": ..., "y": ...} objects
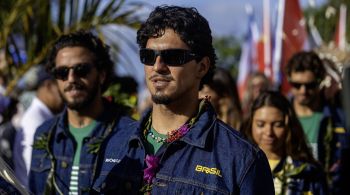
[{"x": 258, "y": 178}]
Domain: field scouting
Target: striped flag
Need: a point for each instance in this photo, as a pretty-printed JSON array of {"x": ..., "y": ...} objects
[
  {"x": 340, "y": 35},
  {"x": 290, "y": 37},
  {"x": 278, "y": 41},
  {"x": 315, "y": 39},
  {"x": 267, "y": 39},
  {"x": 264, "y": 43},
  {"x": 248, "y": 58}
]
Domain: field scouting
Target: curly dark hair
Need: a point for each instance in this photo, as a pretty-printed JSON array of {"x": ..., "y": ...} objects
[
  {"x": 87, "y": 40},
  {"x": 295, "y": 143},
  {"x": 192, "y": 28},
  {"x": 306, "y": 61}
]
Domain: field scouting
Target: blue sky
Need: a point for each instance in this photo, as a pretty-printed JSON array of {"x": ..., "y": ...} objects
[{"x": 226, "y": 17}]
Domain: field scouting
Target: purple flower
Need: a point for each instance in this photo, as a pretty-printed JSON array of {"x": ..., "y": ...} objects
[
  {"x": 183, "y": 129},
  {"x": 152, "y": 162}
]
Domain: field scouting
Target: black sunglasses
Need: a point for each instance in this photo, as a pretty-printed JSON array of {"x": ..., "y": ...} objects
[
  {"x": 171, "y": 57},
  {"x": 310, "y": 85},
  {"x": 81, "y": 70}
]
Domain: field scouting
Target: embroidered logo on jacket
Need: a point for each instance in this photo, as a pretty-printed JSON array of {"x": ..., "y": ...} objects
[
  {"x": 208, "y": 170},
  {"x": 112, "y": 160}
]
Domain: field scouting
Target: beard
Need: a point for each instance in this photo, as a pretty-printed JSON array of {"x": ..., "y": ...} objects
[
  {"x": 161, "y": 99},
  {"x": 308, "y": 100},
  {"x": 81, "y": 103}
]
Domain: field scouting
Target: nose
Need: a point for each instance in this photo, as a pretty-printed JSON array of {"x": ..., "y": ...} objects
[
  {"x": 268, "y": 130},
  {"x": 159, "y": 65},
  {"x": 71, "y": 76},
  {"x": 302, "y": 89}
]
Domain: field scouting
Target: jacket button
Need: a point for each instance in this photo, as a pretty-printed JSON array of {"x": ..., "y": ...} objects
[
  {"x": 64, "y": 164},
  {"x": 338, "y": 144}
]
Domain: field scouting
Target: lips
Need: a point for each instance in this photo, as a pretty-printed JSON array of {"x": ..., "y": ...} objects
[
  {"x": 268, "y": 141},
  {"x": 74, "y": 90},
  {"x": 160, "y": 82}
]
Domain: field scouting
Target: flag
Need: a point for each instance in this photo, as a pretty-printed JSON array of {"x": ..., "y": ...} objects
[
  {"x": 248, "y": 58},
  {"x": 340, "y": 35},
  {"x": 292, "y": 37},
  {"x": 278, "y": 41},
  {"x": 315, "y": 39},
  {"x": 264, "y": 43},
  {"x": 266, "y": 39}
]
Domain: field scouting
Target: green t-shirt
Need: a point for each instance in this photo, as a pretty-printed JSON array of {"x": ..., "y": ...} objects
[
  {"x": 153, "y": 141},
  {"x": 78, "y": 134},
  {"x": 311, "y": 127}
]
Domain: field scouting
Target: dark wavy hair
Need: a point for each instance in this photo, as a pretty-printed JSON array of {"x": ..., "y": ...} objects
[
  {"x": 295, "y": 143},
  {"x": 192, "y": 28},
  {"x": 306, "y": 61},
  {"x": 89, "y": 41}
]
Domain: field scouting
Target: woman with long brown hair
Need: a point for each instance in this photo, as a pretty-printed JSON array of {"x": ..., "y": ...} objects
[{"x": 274, "y": 127}]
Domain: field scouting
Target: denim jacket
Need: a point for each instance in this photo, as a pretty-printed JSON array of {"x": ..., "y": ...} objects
[
  {"x": 54, "y": 149},
  {"x": 334, "y": 149},
  {"x": 299, "y": 178},
  {"x": 212, "y": 158}
]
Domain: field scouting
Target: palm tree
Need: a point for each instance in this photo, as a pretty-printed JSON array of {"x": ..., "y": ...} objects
[{"x": 30, "y": 26}]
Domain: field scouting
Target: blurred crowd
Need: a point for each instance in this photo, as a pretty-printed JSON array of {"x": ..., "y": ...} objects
[{"x": 305, "y": 127}]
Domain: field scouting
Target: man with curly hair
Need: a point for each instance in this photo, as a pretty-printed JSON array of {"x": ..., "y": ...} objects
[
  {"x": 323, "y": 122},
  {"x": 180, "y": 146},
  {"x": 65, "y": 156}
]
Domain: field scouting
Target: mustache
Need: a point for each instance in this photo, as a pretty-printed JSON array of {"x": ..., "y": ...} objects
[
  {"x": 74, "y": 86},
  {"x": 159, "y": 76}
]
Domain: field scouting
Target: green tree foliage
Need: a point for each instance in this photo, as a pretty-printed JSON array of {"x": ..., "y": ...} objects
[
  {"x": 228, "y": 51},
  {"x": 326, "y": 18},
  {"x": 32, "y": 25}
]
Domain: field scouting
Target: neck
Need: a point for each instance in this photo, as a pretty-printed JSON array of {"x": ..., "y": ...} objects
[
  {"x": 307, "y": 110},
  {"x": 83, "y": 117},
  {"x": 273, "y": 155},
  {"x": 166, "y": 118}
]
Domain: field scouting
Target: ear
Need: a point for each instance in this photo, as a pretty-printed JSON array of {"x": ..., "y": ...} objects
[
  {"x": 203, "y": 67},
  {"x": 47, "y": 84}
]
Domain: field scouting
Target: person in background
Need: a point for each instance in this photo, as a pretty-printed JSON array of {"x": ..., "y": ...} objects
[
  {"x": 46, "y": 103},
  {"x": 179, "y": 144},
  {"x": 322, "y": 122},
  {"x": 65, "y": 157},
  {"x": 3, "y": 82},
  {"x": 274, "y": 127},
  {"x": 257, "y": 82},
  {"x": 222, "y": 90}
]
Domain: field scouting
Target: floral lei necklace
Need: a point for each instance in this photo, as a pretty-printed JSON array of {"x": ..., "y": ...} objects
[
  {"x": 153, "y": 161},
  {"x": 284, "y": 176}
]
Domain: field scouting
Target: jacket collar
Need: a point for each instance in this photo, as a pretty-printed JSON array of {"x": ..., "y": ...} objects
[
  {"x": 198, "y": 134},
  {"x": 111, "y": 111}
]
